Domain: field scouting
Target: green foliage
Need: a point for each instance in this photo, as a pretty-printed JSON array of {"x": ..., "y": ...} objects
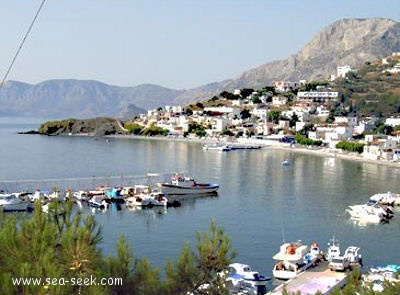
[
  {"x": 154, "y": 131},
  {"x": 303, "y": 140},
  {"x": 197, "y": 129},
  {"x": 245, "y": 114},
  {"x": 54, "y": 245},
  {"x": 350, "y": 146},
  {"x": 229, "y": 95},
  {"x": 256, "y": 99},
  {"x": 134, "y": 128},
  {"x": 245, "y": 92},
  {"x": 274, "y": 116},
  {"x": 195, "y": 269},
  {"x": 226, "y": 132}
]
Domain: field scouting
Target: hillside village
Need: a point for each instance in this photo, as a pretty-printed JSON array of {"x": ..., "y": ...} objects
[{"x": 311, "y": 113}]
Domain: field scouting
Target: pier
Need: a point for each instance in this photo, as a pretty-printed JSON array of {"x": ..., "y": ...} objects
[{"x": 319, "y": 278}]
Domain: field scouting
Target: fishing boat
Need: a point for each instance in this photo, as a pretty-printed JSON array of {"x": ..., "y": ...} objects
[
  {"x": 184, "y": 185},
  {"x": 333, "y": 250}
]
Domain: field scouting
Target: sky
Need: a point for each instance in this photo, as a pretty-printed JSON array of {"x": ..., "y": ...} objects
[{"x": 178, "y": 44}]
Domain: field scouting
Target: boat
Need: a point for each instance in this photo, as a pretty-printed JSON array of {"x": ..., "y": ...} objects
[
  {"x": 10, "y": 202},
  {"x": 377, "y": 276},
  {"x": 157, "y": 198},
  {"x": 374, "y": 207},
  {"x": 115, "y": 194},
  {"x": 138, "y": 201},
  {"x": 353, "y": 254},
  {"x": 241, "y": 275},
  {"x": 81, "y": 195},
  {"x": 333, "y": 250},
  {"x": 387, "y": 198},
  {"x": 244, "y": 271},
  {"x": 217, "y": 147},
  {"x": 292, "y": 259},
  {"x": 138, "y": 195},
  {"x": 367, "y": 216},
  {"x": 286, "y": 162},
  {"x": 98, "y": 201},
  {"x": 184, "y": 185}
]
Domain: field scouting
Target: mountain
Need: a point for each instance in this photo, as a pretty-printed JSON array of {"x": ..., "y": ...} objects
[
  {"x": 345, "y": 42},
  {"x": 81, "y": 99}
]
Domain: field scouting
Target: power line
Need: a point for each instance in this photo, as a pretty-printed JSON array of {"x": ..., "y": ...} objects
[{"x": 22, "y": 43}]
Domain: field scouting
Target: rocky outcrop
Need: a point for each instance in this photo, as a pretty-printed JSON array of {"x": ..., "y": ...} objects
[{"x": 92, "y": 127}]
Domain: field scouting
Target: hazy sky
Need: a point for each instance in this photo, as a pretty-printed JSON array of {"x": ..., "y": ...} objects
[{"x": 178, "y": 44}]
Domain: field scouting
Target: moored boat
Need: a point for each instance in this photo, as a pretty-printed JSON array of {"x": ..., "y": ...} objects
[
  {"x": 367, "y": 216},
  {"x": 387, "y": 198},
  {"x": 184, "y": 185},
  {"x": 98, "y": 201},
  {"x": 217, "y": 147},
  {"x": 333, "y": 250},
  {"x": 10, "y": 202},
  {"x": 292, "y": 259}
]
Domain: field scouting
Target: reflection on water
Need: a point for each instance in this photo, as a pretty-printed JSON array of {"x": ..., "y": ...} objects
[{"x": 257, "y": 200}]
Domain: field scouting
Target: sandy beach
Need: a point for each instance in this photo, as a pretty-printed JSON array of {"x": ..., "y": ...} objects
[{"x": 273, "y": 144}]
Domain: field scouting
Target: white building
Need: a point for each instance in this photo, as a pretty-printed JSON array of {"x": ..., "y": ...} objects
[
  {"x": 351, "y": 121},
  {"x": 317, "y": 96},
  {"x": 392, "y": 122},
  {"x": 286, "y": 85},
  {"x": 223, "y": 110},
  {"x": 279, "y": 100},
  {"x": 261, "y": 112},
  {"x": 343, "y": 70},
  {"x": 174, "y": 109}
]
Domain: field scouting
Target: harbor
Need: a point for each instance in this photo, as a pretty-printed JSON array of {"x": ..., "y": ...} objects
[
  {"x": 258, "y": 197},
  {"x": 316, "y": 279}
]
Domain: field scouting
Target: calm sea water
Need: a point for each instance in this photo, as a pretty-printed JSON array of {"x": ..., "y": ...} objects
[{"x": 260, "y": 202}]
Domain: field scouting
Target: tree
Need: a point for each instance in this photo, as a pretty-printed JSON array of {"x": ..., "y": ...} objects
[
  {"x": 195, "y": 270},
  {"x": 293, "y": 120},
  {"x": 245, "y": 114},
  {"x": 273, "y": 116}
]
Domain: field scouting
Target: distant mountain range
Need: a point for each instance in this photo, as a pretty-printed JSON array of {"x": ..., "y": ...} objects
[{"x": 345, "y": 42}]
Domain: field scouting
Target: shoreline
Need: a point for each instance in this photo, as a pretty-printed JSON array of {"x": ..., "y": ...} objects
[{"x": 273, "y": 144}]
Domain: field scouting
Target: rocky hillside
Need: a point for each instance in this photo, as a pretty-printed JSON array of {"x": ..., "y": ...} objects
[
  {"x": 345, "y": 42},
  {"x": 92, "y": 127}
]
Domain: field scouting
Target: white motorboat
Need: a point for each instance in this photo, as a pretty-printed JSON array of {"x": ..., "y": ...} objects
[
  {"x": 367, "y": 216},
  {"x": 353, "y": 254},
  {"x": 158, "y": 199},
  {"x": 81, "y": 195},
  {"x": 244, "y": 271},
  {"x": 374, "y": 207},
  {"x": 183, "y": 185},
  {"x": 98, "y": 201},
  {"x": 333, "y": 250},
  {"x": 10, "y": 202},
  {"x": 293, "y": 258},
  {"x": 217, "y": 147},
  {"x": 387, "y": 198}
]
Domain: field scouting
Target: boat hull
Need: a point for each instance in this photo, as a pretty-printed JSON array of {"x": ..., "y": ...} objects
[
  {"x": 171, "y": 189},
  {"x": 14, "y": 207}
]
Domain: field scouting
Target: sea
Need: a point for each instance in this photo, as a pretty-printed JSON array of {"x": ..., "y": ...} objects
[{"x": 260, "y": 203}]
